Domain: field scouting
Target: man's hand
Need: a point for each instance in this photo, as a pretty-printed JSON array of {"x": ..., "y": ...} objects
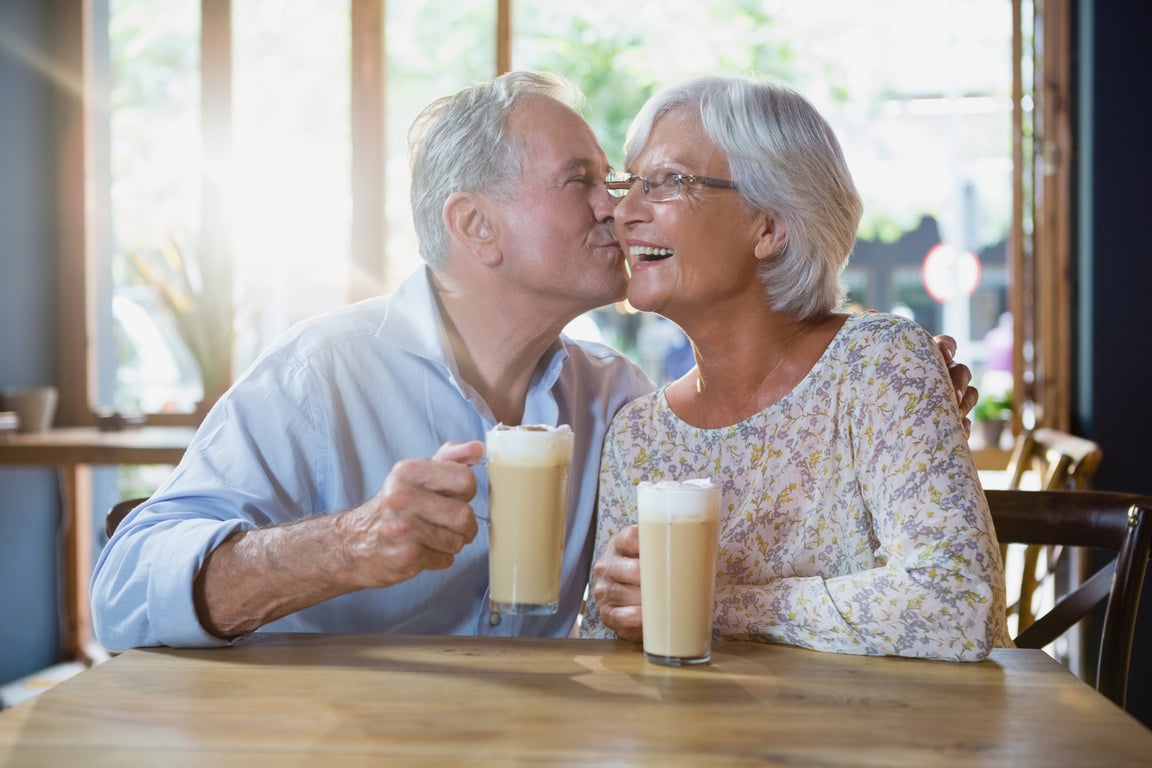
[
  {"x": 418, "y": 521},
  {"x": 616, "y": 585},
  {"x": 966, "y": 394}
]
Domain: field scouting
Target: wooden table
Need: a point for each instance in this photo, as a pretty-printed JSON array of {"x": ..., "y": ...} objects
[
  {"x": 72, "y": 451},
  {"x": 386, "y": 700}
]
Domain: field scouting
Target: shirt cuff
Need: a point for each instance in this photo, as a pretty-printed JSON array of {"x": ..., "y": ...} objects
[{"x": 172, "y": 610}]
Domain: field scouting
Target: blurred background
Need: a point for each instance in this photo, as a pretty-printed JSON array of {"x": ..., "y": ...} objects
[{"x": 919, "y": 93}]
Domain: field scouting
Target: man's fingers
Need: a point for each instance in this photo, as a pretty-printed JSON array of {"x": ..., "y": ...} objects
[
  {"x": 445, "y": 542},
  {"x": 968, "y": 402},
  {"x": 947, "y": 346},
  {"x": 448, "y": 478},
  {"x": 424, "y": 504},
  {"x": 468, "y": 453},
  {"x": 960, "y": 374},
  {"x": 447, "y": 532}
]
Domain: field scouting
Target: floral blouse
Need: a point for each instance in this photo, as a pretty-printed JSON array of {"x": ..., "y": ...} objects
[{"x": 853, "y": 519}]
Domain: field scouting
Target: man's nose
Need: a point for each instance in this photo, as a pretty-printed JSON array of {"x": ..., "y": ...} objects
[{"x": 605, "y": 205}]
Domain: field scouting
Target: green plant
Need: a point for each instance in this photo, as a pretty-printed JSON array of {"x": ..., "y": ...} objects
[{"x": 993, "y": 407}]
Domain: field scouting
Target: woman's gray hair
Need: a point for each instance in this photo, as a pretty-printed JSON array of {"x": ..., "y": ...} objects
[
  {"x": 459, "y": 143},
  {"x": 786, "y": 161}
]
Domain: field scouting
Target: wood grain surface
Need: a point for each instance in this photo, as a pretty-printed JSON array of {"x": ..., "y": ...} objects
[{"x": 367, "y": 700}]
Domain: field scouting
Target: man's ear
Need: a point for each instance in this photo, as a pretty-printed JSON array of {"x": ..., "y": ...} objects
[
  {"x": 468, "y": 219},
  {"x": 771, "y": 236}
]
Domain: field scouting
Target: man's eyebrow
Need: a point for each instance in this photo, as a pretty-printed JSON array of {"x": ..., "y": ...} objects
[{"x": 579, "y": 163}]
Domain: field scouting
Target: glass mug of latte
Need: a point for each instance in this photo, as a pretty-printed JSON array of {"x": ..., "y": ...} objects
[
  {"x": 528, "y": 476},
  {"x": 679, "y": 530}
]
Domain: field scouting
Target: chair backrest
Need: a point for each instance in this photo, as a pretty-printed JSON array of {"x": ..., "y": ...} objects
[
  {"x": 1062, "y": 459},
  {"x": 118, "y": 512},
  {"x": 1103, "y": 520}
]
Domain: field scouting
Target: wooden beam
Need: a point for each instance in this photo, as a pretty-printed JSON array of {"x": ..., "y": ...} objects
[
  {"x": 216, "y": 122},
  {"x": 1020, "y": 282},
  {"x": 369, "y": 222},
  {"x": 503, "y": 36},
  {"x": 1054, "y": 156},
  {"x": 75, "y": 259}
]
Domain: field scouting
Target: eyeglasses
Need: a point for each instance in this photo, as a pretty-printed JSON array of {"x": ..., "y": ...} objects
[{"x": 659, "y": 189}]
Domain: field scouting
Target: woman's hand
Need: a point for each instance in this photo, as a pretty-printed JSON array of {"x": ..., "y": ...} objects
[{"x": 616, "y": 585}]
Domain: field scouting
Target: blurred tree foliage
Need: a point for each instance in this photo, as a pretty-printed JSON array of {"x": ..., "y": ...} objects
[{"x": 618, "y": 62}]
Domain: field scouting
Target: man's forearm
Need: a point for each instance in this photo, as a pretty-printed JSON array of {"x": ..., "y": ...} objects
[
  {"x": 420, "y": 520},
  {"x": 255, "y": 577}
]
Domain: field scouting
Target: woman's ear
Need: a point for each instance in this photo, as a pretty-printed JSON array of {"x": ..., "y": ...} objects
[
  {"x": 469, "y": 223},
  {"x": 771, "y": 237}
]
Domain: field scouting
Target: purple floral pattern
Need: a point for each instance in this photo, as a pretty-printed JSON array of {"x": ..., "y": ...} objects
[{"x": 853, "y": 519}]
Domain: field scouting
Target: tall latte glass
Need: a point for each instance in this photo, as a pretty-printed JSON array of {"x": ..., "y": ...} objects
[
  {"x": 679, "y": 524},
  {"x": 528, "y": 469}
]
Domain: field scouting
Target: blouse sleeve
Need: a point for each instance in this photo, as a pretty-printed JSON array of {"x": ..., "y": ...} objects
[
  {"x": 615, "y": 510},
  {"x": 936, "y": 589}
]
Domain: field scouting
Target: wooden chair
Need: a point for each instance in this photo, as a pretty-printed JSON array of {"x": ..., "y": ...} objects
[
  {"x": 1063, "y": 461},
  {"x": 1100, "y": 520},
  {"x": 118, "y": 512}
]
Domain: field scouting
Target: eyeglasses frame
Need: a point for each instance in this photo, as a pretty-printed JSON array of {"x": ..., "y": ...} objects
[{"x": 624, "y": 185}]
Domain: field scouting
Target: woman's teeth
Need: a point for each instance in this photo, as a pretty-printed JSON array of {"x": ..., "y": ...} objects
[{"x": 648, "y": 253}]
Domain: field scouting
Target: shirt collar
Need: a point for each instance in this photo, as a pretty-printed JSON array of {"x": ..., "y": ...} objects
[{"x": 413, "y": 323}]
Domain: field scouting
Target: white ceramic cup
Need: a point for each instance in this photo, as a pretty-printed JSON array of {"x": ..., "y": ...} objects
[
  {"x": 34, "y": 406},
  {"x": 679, "y": 529},
  {"x": 528, "y": 477}
]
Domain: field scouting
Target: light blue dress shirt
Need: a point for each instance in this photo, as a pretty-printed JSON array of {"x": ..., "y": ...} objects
[{"x": 313, "y": 427}]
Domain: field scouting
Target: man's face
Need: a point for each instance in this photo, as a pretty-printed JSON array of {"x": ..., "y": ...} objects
[{"x": 557, "y": 238}]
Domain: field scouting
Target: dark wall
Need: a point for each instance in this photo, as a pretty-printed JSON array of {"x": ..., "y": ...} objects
[
  {"x": 1114, "y": 280},
  {"x": 29, "y": 503}
]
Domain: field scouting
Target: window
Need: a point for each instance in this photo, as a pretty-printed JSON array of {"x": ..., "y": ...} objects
[
  {"x": 263, "y": 186},
  {"x": 297, "y": 168},
  {"x": 432, "y": 49},
  {"x": 155, "y": 194}
]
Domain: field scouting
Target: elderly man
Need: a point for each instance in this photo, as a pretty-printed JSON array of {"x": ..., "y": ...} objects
[{"x": 301, "y": 504}]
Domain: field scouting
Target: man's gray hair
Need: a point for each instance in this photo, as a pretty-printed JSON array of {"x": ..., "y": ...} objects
[
  {"x": 459, "y": 143},
  {"x": 786, "y": 161}
]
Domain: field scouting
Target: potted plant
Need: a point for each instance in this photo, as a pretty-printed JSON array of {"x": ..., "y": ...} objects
[{"x": 990, "y": 415}]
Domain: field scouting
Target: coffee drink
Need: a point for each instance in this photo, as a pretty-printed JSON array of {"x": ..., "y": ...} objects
[
  {"x": 679, "y": 524},
  {"x": 528, "y": 476}
]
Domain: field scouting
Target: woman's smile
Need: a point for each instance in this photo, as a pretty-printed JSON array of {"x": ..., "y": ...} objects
[{"x": 643, "y": 253}]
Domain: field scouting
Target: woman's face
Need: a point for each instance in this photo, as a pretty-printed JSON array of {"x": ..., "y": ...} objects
[{"x": 697, "y": 250}]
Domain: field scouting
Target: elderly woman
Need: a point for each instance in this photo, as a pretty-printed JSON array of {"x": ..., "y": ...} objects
[{"x": 852, "y": 517}]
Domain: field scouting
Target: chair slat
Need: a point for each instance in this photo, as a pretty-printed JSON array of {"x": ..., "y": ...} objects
[{"x": 1120, "y": 523}]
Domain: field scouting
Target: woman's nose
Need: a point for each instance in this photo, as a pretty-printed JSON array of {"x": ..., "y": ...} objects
[{"x": 630, "y": 207}]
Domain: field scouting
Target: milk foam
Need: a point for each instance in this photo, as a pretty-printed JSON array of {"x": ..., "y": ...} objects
[
  {"x": 531, "y": 445},
  {"x": 678, "y": 500}
]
